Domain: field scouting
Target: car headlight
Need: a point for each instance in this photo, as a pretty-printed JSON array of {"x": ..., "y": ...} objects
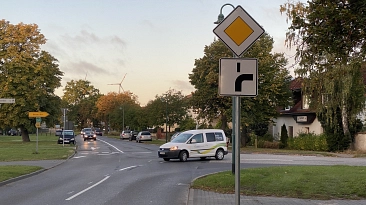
[
  {"x": 72, "y": 138},
  {"x": 61, "y": 138},
  {"x": 174, "y": 148}
]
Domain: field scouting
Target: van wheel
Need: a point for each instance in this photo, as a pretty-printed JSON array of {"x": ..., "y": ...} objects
[
  {"x": 183, "y": 156},
  {"x": 166, "y": 159},
  {"x": 219, "y": 154}
]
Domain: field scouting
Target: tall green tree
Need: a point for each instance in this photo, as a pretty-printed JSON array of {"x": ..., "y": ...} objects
[
  {"x": 27, "y": 74},
  {"x": 273, "y": 80},
  {"x": 81, "y": 97},
  {"x": 330, "y": 45}
]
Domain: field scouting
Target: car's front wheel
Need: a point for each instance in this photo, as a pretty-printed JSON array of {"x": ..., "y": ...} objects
[{"x": 183, "y": 156}]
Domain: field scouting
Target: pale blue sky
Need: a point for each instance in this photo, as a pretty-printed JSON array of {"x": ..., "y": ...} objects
[{"x": 154, "y": 41}]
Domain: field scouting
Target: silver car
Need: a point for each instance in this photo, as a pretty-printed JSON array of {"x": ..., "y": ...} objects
[
  {"x": 143, "y": 136},
  {"x": 125, "y": 134}
]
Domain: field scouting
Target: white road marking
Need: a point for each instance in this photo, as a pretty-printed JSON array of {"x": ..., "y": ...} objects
[
  {"x": 112, "y": 146},
  {"x": 75, "y": 195},
  {"x": 78, "y": 157},
  {"x": 129, "y": 167}
]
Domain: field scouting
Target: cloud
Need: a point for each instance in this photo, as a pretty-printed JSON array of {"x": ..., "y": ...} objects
[
  {"x": 83, "y": 67},
  {"x": 183, "y": 85}
]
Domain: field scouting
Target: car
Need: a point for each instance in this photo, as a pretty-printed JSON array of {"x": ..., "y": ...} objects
[
  {"x": 125, "y": 134},
  {"x": 84, "y": 130},
  {"x": 66, "y": 137},
  {"x": 98, "y": 131},
  {"x": 200, "y": 143},
  {"x": 133, "y": 135},
  {"x": 143, "y": 136},
  {"x": 13, "y": 132},
  {"x": 58, "y": 132},
  {"x": 88, "y": 135}
]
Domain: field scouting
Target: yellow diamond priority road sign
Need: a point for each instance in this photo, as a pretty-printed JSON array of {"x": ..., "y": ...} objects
[{"x": 238, "y": 31}]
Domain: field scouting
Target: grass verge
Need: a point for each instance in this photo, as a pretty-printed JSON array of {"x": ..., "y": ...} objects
[
  {"x": 12, "y": 171},
  {"x": 306, "y": 182},
  {"x": 13, "y": 149}
]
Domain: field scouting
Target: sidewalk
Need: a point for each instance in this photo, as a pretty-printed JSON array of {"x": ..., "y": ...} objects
[{"x": 199, "y": 197}]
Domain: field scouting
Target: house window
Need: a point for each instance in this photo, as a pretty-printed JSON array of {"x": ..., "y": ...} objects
[{"x": 290, "y": 131}]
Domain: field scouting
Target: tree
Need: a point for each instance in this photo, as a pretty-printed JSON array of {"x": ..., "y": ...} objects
[
  {"x": 284, "y": 136},
  {"x": 81, "y": 97},
  {"x": 27, "y": 74},
  {"x": 330, "y": 45},
  {"x": 170, "y": 107},
  {"x": 273, "y": 79},
  {"x": 110, "y": 109}
]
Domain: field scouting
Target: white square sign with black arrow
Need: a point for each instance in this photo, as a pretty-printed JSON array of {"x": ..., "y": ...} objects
[{"x": 238, "y": 77}]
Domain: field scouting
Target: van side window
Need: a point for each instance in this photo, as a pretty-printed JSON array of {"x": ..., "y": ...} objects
[
  {"x": 219, "y": 136},
  {"x": 198, "y": 138},
  {"x": 210, "y": 137}
]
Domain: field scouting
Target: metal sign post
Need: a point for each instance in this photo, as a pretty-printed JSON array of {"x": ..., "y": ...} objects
[{"x": 238, "y": 77}]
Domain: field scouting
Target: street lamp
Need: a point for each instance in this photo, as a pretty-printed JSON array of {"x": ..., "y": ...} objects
[
  {"x": 221, "y": 16},
  {"x": 123, "y": 116}
]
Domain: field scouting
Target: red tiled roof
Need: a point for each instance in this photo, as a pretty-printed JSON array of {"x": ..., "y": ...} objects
[{"x": 296, "y": 83}]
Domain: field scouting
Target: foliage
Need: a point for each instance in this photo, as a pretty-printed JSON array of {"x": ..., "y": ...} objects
[
  {"x": 119, "y": 110},
  {"x": 284, "y": 135},
  {"x": 273, "y": 80},
  {"x": 330, "y": 47},
  {"x": 27, "y": 74},
  {"x": 170, "y": 108},
  {"x": 187, "y": 123},
  {"x": 309, "y": 141},
  {"x": 80, "y": 98}
]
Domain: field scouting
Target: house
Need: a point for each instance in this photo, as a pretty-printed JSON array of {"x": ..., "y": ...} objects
[{"x": 297, "y": 118}]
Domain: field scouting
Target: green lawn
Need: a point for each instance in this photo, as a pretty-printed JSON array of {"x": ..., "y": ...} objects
[
  {"x": 12, "y": 171},
  {"x": 13, "y": 149},
  {"x": 307, "y": 182}
]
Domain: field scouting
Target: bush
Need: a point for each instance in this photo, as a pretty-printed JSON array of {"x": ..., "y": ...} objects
[
  {"x": 284, "y": 136},
  {"x": 308, "y": 141},
  {"x": 268, "y": 144}
]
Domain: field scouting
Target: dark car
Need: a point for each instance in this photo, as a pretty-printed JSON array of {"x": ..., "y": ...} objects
[
  {"x": 88, "y": 135},
  {"x": 66, "y": 137},
  {"x": 133, "y": 135},
  {"x": 84, "y": 130},
  {"x": 13, "y": 132},
  {"x": 98, "y": 131}
]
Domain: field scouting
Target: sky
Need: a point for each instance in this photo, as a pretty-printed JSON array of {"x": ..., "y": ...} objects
[{"x": 148, "y": 45}]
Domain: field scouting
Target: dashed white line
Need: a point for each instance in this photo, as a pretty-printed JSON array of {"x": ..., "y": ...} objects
[{"x": 129, "y": 167}]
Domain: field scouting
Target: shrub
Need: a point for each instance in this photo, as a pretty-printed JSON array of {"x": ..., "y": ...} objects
[{"x": 308, "y": 141}]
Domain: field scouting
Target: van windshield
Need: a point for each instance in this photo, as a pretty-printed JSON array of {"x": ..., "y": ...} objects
[{"x": 182, "y": 138}]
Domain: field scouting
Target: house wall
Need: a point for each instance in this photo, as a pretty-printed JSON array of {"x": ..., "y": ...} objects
[
  {"x": 297, "y": 128},
  {"x": 360, "y": 142}
]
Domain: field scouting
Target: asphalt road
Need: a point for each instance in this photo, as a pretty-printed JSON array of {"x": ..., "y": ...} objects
[{"x": 111, "y": 171}]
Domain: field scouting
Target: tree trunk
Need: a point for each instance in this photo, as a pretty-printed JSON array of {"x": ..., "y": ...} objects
[
  {"x": 244, "y": 135},
  {"x": 345, "y": 125},
  {"x": 223, "y": 122},
  {"x": 25, "y": 134}
]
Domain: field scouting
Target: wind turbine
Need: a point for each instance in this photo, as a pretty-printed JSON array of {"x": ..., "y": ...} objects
[{"x": 120, "y": 84}]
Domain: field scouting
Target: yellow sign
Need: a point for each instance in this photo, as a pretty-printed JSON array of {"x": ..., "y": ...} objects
[
  {"x": 38, "y": 114},
  {"x": 38, "y": 124},
  {"x": 238, "y": 31}
]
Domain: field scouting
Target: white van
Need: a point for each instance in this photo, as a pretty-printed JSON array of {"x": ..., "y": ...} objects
[{"x": 195, "y": 143}]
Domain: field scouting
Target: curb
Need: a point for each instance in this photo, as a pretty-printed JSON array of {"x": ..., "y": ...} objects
[{"x": 3, "y": 183}]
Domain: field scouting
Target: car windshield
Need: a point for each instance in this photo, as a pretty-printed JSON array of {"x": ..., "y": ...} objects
[
  {"x": 88, "y": 132},
  {"x": 145, "y": 133},
  {"x": 182, "y": 138},
  {"x": 87, "y": 129},
  {"x": 68, "y": 133}
]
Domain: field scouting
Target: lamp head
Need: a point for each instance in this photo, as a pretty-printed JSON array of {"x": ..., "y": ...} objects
[{"x": 219, "y": 18}]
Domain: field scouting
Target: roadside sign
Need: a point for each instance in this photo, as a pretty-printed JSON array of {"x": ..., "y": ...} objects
[
  {"x": 238, "y": 31},
  {"x": 7, "y": 100},
  {"x": 38, "y": 114},
  {"x": 38, "y": 124},
  {"x": 238, "y": 77},
  {"x": 38, "y": 119}
]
